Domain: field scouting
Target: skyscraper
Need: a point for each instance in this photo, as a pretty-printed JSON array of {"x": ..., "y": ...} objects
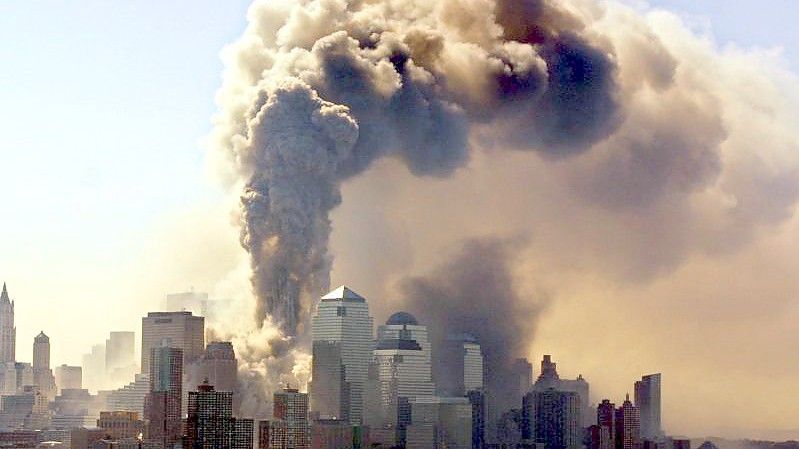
[
  {"x": 120, "y": 361},
  {"x": 163, "y": 403},
  {"x": 209, "y": 423},
  {"x": 181, "y": 329},
  {"x": 68, "y": 377},
  {"x": 401, "y": 371},
  {"x": 647, "y": 399},
  {"x": 552, "y": 417},
  {"x": 549, "y": 378},
  {"x": 218, "y": 365},
  {"x": 342, "y": 316},
  {"x": 289, "y": 429},
  {"x": 606, "y": 418},
  {"x": 8, "y": 333},
  {"x": 330, "y": 391},
  {"x": 42, "y": 374},
  {"x": 628, "y": 430},
  {"x": 458, "y": 366}
]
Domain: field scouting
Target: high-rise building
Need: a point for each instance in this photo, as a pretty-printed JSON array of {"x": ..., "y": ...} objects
[
  {"x": 606, "y": 418},
  {"x": 400, "y": 371},
  {"x": 338, "y": 434},
  {"x": 210, "y": 418},
  {"x": 120, "y": 358},
  {"x": 68, "y": 377},
  {"x": 119, "y": 425},
  {"x": 41, "y": 351},
  {"x": 628, "y": 427},
  {"x": 130, "y": 397},
  {"x": 75, "y": 408},
  {"x": 191, "y": 301},
  {"x": 599, "y": 437},
  {"x": 8, "y": 333},
  {"x": 439, "y": 422},
  {"x": 647, "y": 400},
  {"x": 181, "y": 329},
  {"x": 289, "y": 429},
  {"x": 552, "y": 417},
  {"x": 458, "y": 366},
  {"x": 478, "y": 402},
  {"x": 330, "y": 391},
  {"x": 342, "y": 316},
  {"x": 8, "y": 344},
  {"x": 93, "y": 364},
  {"x": 42, "y": 374},
  {"x": 242, "y": 435},
  {"x": 549, "y": 378},
  {"x": 219, "y": 366},
  {"x": 163, "y": 403}
]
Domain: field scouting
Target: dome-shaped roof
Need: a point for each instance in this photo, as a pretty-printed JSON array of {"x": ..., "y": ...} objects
[{"x": 402, "y": 318}]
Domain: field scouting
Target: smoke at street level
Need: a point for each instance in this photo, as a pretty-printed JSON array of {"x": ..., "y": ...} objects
[{"x": 632, "y": 114}]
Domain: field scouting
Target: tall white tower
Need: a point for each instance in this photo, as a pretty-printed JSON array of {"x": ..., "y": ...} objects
[
  {"x": 342, "y": 318},
  {"x": 8, "y": 333}
]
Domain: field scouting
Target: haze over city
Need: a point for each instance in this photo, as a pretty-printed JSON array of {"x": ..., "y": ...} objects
[{"x": 647, "y": 227}]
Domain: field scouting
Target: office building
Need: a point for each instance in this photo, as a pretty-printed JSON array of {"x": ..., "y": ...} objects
[
  {"x": 549, "y": 378},
  {"x": 439, "y": 422},
  {"x": 42, "y": 374},
  {"x": 180, "y": 329},
  {"x": 163, "y": 403},
  {"x": 330, "y": 391},
  {"x": 8, "y": 332},
  {"x": 219, "y": 366},
  {"x": 8, "y": 344},
  {"x": 191, "y": 301},
  {"x": 342, "y": 316},
  {"x": 400, "y": 371},
  {"x": 119, "y": 425},
  {"x": 552, "y": 417},
  {"x": 628, "y": 427},
  {"x": 68, "y": 377},
  {"x": 210, "y": 422},
  {"x": 120, "y": 358},
  {"x": 291, "y": 407},
  {"x": 458, "y": 366},
  {"x": 647, "y": 400},
  {"x": 130, "y": 397},
  {"x": 478, "y": 402},
  {"x": 606, "y": 418},
  {"x": 338, "y": 434},
  {"x": 75, "y": 408},
  {"x": 599, "y": 437},
  {"x": 93, "y": 365}
]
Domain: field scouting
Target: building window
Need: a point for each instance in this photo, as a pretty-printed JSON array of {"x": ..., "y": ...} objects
[{"x": 341, "y": 311}]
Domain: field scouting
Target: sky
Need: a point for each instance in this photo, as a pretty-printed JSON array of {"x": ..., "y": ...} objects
[{"x": 104, "y": 108}]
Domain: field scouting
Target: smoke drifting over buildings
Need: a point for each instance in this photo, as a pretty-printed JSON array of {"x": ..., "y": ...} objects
[
  {"x": 644, "y": 147},
  {"x": 474, "y": 293},
  {"x": 323, "y": 89}
]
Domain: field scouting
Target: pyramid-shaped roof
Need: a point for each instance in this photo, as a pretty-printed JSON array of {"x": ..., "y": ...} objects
[
  {"x": 343, "y": 293},
  {"x": 4, "y": 294}
]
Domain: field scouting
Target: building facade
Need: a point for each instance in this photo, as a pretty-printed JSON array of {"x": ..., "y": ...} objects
[
  {"x": 342, "y": 316},
  {"x": 647, "y": 400},
  {"x": 180, "y": 329}
]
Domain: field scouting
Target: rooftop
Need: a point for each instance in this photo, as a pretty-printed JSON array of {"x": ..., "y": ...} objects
[{"x": 343, "y": 293}]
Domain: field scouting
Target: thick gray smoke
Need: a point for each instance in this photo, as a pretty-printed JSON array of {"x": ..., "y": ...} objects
[
  {"x": 475, "y": 293},
  {"x": 651, "y": 156},
  {"x": 329, "y": 86}
]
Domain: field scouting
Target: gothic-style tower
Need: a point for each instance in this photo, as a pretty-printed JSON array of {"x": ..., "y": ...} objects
[{"x": 8, "y": 333}]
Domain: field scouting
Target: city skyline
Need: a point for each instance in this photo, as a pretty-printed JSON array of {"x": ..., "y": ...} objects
[{"x": 672, "y": 255}]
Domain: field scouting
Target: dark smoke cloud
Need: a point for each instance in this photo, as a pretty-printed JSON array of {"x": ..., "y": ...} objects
[
  {"x": 474, "y": 292},
  {"x": 333, "y": 102}
]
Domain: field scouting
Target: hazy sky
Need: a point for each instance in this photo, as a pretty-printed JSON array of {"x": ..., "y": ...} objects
[{"x": 103, "y": 109}]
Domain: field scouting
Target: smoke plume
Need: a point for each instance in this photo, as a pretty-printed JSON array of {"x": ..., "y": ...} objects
[
  {"x": 321, "y": 89},
  {"x": 635, "y": 155},
  {"x": 475, "y": 293}
]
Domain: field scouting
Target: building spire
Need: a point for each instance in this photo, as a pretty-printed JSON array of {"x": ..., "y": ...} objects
[{"x": 4, "y": 294}]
